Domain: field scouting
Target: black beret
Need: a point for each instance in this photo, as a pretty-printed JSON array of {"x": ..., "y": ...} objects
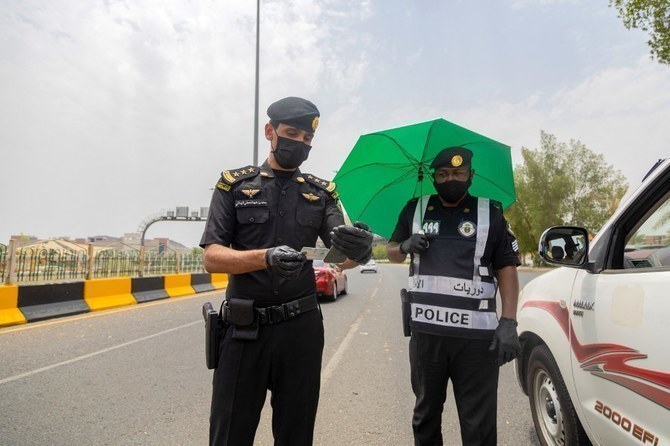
[
  {"x": 296, "y": 112},
  {"x": 452, "y": 157}
]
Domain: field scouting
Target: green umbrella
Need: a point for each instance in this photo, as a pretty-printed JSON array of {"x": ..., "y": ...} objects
[{"x": 387, "y": 168}]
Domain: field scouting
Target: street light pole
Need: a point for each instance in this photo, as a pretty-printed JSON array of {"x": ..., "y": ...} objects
[{"x": 258, "y": 38}]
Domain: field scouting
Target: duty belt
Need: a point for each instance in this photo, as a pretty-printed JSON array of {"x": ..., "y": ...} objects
[{"x": 286, "y": 311}]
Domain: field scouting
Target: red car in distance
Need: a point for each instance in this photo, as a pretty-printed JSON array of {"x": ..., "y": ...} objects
[{"x": 330, "y": 280}]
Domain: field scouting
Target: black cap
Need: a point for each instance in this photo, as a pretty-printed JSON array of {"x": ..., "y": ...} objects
[
  {"x": 452, "y": 157},
  {"x": 296, "y": 112}
]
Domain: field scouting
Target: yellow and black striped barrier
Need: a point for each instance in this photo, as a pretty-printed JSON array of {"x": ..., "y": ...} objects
[
  {"x": 30, "y": 303},
  {"x": 46, "y": 301},
  {"x": 103, "y": 294}
]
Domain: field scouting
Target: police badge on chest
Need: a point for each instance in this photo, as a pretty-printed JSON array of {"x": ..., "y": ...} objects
[{"x": 467, "y": 228}]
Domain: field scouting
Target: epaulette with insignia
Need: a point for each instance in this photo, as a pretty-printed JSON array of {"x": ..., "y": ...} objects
[
  {"x": 326, "y": 185},
  {"x": 230, "y": 177}
]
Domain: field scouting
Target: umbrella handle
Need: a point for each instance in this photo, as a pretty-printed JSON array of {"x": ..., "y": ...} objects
[
  {"x": 414, "y": 264},
  {"x": 422, "y": 232}
]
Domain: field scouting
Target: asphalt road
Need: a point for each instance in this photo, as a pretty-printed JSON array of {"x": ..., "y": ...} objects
[{"x": 137, "y": 376}]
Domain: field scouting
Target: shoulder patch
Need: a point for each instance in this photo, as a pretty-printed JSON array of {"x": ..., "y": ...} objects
[
  {"x": 509, "y": 230},
  {"x": 230, "y": 177},
  {"x": 326, "y": 185}
]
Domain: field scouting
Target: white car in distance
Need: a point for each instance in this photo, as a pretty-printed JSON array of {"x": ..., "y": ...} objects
[{"x": 371, "y": 267}]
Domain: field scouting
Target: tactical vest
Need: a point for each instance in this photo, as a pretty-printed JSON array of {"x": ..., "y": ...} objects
[{"x": 461, "y": 302}]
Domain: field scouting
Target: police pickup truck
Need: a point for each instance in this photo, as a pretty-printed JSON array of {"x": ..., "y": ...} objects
[{"x": 595, "y": 359}]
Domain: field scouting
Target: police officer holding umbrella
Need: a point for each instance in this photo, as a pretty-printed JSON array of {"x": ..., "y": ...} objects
[
  {"x": 260, "y": 218},
  {"x": 462, "y": 251}
]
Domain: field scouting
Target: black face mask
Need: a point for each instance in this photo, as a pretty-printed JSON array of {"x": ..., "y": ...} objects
[
  {"x": 290, "y": 153},
  {"x": 453, "y": 190}
]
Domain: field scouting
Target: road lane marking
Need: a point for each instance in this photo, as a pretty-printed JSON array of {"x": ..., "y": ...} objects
[
  {"x": 337, "y": 356},
  {"x": 90, "y": 355}
]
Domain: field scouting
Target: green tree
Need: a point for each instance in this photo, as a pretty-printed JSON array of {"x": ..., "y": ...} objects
[
  {"x": 652, "y": 16},
  {"x": 379, "y": 251},
  {"x": 637, "y": 239},
  {"x": 562, "y": 184}
]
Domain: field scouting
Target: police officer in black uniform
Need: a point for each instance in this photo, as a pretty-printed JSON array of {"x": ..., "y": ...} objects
[
  {"x": 461, "y": 250},
  {"x": 260, "y": 218}
]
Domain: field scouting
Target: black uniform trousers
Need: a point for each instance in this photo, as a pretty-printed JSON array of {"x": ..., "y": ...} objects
[
  {"x": 434, "y": 360},
  {"x": 286, "y": 359}
]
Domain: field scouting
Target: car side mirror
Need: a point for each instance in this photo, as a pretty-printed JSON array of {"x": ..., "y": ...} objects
[{"x": 564, "y": 246}]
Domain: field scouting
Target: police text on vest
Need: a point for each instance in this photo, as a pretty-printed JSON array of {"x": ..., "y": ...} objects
[{"x": 440, "y": 316}]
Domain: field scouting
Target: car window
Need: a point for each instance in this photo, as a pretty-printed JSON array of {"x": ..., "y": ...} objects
[{"x": 648, "y": 244}]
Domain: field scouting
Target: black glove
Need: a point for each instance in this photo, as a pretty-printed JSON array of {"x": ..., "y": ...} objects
[
  {"x": 506, "y": 341},
  {"x": 355, "y": 241},
  {"x": 285, "y": 261},
  {"x": 416, "y": 244}
]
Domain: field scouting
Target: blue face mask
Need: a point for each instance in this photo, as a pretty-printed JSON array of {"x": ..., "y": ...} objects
[{"x": 290, "y": 153}]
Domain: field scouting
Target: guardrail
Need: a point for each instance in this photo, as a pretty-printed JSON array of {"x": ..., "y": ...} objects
[
  {"x": 30, "y": 265},
  {"x": 24, "y": 303}
]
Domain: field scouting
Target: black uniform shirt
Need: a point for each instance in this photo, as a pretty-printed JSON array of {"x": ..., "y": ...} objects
[
  {"x": 501, "y": 248},
  {"x": 259, "y": 212}
]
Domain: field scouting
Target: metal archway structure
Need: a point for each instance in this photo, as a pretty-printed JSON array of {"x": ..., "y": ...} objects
[{"x": 179, "y": 214}]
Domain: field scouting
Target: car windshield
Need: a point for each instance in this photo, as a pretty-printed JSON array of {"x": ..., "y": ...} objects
[{"x": 317, "y": 263}]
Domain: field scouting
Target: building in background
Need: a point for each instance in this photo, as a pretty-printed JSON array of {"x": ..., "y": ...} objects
[{"x": 128, "y": 242}]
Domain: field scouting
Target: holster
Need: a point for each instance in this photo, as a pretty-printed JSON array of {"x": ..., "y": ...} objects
[
  {"x": 213, "y": 329},
  {"x": 406, "y": 311},
  {"x": 241, "y": 314}
]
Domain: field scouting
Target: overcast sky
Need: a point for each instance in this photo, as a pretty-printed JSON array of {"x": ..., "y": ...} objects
[{"x": 111, "y": 111}]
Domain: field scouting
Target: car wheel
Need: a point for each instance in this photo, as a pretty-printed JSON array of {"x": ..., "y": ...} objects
[
  {"x": 333, "y": 297},
  {"x": 554, "y": 416}
]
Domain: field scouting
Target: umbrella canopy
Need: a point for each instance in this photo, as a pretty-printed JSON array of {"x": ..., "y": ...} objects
[{"x": 385, "y": 169}]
